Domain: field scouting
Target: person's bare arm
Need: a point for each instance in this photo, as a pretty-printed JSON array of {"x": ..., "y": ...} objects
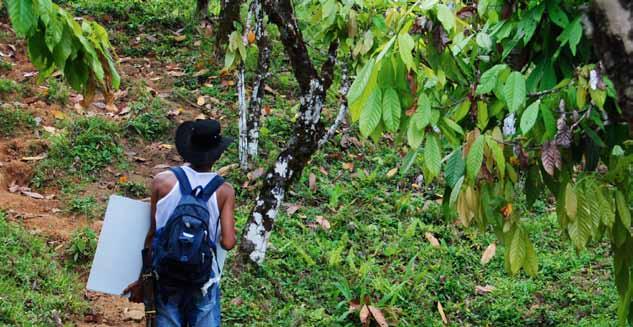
[{"x": 226, "y": 202}]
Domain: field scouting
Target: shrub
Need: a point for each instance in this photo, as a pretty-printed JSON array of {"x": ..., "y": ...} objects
[
  {"x": 84, "y": 205},
  {"x": 150, "y": 123},
  {"x": 83, "y": 245},
  {"x": 14, "y": 118},
  {"x": 57, "y": 92}
]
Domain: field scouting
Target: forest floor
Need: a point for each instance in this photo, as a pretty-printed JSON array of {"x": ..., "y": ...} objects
[{"x": 355, "y": 226}]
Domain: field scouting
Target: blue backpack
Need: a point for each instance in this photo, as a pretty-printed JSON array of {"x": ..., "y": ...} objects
[{"x": 183, "y": 251}]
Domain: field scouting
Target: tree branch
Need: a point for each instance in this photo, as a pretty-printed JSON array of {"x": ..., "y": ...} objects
[
  {"x": 342, "y": 113},
  {"x": 327, "y": 70}
]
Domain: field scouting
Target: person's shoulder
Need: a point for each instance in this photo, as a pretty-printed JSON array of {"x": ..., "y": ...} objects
[
  {"x": 164, "y": 181},
  {"x": 227, "y": 190}
]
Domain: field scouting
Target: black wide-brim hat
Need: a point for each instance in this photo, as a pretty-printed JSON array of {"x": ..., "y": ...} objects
[{"x": 200, "y": 142}]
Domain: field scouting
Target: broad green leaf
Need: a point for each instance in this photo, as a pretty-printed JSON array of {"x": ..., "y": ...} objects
[
  {"x": 484, "y": 40},
  {"x": 452, "y": 125},
  {"x": 549, "y": 121},
  {"x": 405, "y": 46},
  {"x": 461, "y": 110},
  {"x": 427, "y": 4},
  {"x": 531, "y": 260},
  {"x": 446, "y": 17},
  {"x": 415, "y": 136},
  {"x": 22, "y": 15},
  {"x": 598, "y": 96},
  {"x": 371, "y": 114},
  {"x": 422, "y": 116},
  {"x": 456, "y": 190},
  {"x": 54, "y": 32},
  {"x": 497, "y": 154},
  {"x": 455, "y": 167},
  {"x": 518, "y": 251},
  {"x": 556, "y": 14},
  {"x": 514, "y": 91},
  {"x": 529, "y": 117},
  {"x": 581, "y": 229},
  {"x": 623, "y": 209},
  {"x": 482, "y": 115},
  {"x": 571, "y": 202},
  {"x": 488, "y": 79},
  {"x": 475, "y": 158},
  {"x": 360, "y": 82},
  {"x": 572, "y": 35},
  {"x": 391, "y": 110},
  {"x": 432, "y": 156}
]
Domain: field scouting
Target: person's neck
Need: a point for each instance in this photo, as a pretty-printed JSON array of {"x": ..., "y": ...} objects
[{"x": 201, "y": 169}]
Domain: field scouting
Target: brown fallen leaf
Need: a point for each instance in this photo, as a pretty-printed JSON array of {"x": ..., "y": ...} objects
[
  {"x": 488, "y": 254},
  {"x": 201, "y": 72},
  {"x": 140, "y": 159},
  {"x": 292, "y": 209},
  {"x": 201, "y": 100},
  {"x": 226, "y": 169},
  {"x": 378, "y": 316},
  {"x": 36, "y": 158},
  {"x": 312, "y": 182},
  {"x": 180, "y": 38},
  {"x": 364, "y": 315},
  {"x": 161, "y": 166},
  {"x": 33, "y": 195},
  {"x": 237, "y": 301},
  {"x": 348, "y": 165},
  {"x": 255, "y": 174},
  {"x": 392, "y": 172},
  {"x": 325, "y": 224},
  {"x": 440, "y": 309},
  {"x": 483, "y": 290},
  {"x": 323, "y": 171},
  {"x": 432, "y": 240}
]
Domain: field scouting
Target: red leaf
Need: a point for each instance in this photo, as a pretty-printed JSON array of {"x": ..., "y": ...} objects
[
  {"x": 378, "y": 316},
  {"x": 550, "y": 157}
]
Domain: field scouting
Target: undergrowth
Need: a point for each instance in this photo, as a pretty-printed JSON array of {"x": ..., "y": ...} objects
[
  {"x": 12, "y": 120},
  {"x": 34, "y": 289}
]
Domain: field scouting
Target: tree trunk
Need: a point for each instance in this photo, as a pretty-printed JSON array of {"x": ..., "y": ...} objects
[
  {"x": 308, "y": 130},
  {"x": 611, "y": 30},
  {"x": 250, "y": 111},
  {"x": 229, "y": 13},
  {"x": 202, "y": 9}
]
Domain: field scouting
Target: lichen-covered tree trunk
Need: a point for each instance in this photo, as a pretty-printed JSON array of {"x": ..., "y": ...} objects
[
  {"x": 229, "y": 13},
  {"x": 307, "y": 130},
  {"x": 250, "y": 110},
  {"x": 611, "y": 29},
  {"x": 202, "y": 8}
]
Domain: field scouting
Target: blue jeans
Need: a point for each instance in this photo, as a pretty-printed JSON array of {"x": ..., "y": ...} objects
[{"x": 181, "y": 307}]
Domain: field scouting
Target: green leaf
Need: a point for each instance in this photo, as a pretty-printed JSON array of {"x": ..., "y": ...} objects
[
  {"x": 581, "y": 229},
  {"x": 415, "y": 136},
  {"x": 488, "y": 79},
  {"x": 405, "y": 46},
  {"x": 497, "y": 154},
  {"x": 623, "y": 209},
  {"x": 518, "y": 251},
  {"x": 529, "y": 117},
  {"x": 514, "y": 91},
  {"x": 484, "y": 40},
  {"x": 455, "y": 167},
  {"x": 54, "y": 32},
  {"x": 432, "y": 156},
  {"x": 360, "y": 82},
  {"x": 461, "y": 110},
  {"x": 422, "y": 116},
  {"x": 482, "y": 115},
  {"x": 475, "y": 158},
  {"x": 446, "y": 17},
  {"x": 598, "y": 96},
  {"x": 556, "y": 14},
  {"x": 391, "y": 109},
  {"x": 22, "y": 15},
  {"x": 531, "y": 260},
  {"x": 549, "y": 121},
  {"x": 571, "y": 202},
  {"x": 456, "y": 190},
  {"x": 572, "y": 35},
  {"x": 370, "y": 116}
]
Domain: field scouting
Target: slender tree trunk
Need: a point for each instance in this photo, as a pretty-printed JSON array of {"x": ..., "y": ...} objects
[
  {"x": 250, "y": 110},
  {"x": 308, "y": 130},
  {"x": 611, "y": 30},
  {"x": 229, "y": 13},
  {"x": 202, "y": 9}
]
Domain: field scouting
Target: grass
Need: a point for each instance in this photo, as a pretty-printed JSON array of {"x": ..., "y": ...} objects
[
  {"x": 84, "y": 146},
  {"x": 14, "y": 119},
  {"x": 149, "y": 119},
  {"x": 34, "y": 289}
]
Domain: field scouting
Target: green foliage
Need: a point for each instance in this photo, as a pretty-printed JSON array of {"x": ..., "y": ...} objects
[
  {"x": 57, "y": 92},
  {"x": 56, "y": 41},
  {"x": 83, "y": 205},
  {"x": 134, "y": 190},
  {"x": 149, "y": 119},
  {"x": 82, "y": 246},
  {"x": 35, "y": 289},
  {"x": 13, "y": 119},
  {"x": 83, "y": 147},
  {"x": 8, "y": 86}
]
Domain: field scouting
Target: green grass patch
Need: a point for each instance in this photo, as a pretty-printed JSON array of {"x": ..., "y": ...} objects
[
  {"x": 82, "y": 246},
  {"x": 82, "y": 148},
  {"x": 14, "y": 119},
  {"x": 148, "y": 119},
  {"x": 8, "y": 86},
  {"x": 34, "y": 289}
]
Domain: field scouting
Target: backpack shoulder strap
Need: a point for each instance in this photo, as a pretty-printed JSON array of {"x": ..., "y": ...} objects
[
  {"x": 183, "y": 180},
  {"x": 213, "y": 186}
]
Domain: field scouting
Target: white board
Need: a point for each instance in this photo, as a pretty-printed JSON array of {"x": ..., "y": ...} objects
[{"x": 117, "y": 262}]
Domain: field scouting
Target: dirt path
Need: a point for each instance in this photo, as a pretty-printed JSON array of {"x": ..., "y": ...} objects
[{"x": 20, "y": 153}]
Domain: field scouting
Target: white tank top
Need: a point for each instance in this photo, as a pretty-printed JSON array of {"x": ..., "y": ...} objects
[{"x": 165, "y": 207}]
